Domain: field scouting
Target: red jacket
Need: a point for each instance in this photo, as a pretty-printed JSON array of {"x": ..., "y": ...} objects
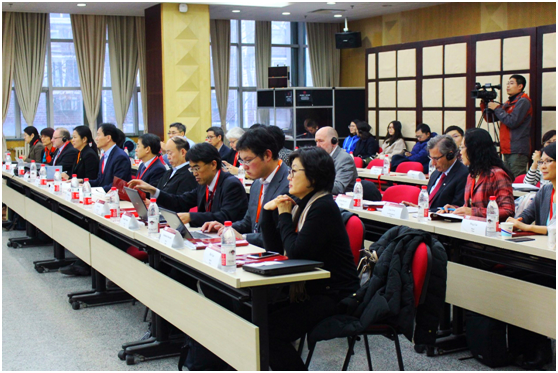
[{"x": 498, "y": 183}]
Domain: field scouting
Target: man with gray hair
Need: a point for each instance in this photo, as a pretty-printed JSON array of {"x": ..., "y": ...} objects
[
  {"x": 66, "y": 155},
  {"x": 345, "y": 169},
  {"x": 447, "y": 183}
]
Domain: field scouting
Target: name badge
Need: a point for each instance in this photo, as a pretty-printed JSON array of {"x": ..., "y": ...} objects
[
  {"x": 101, "y": 208},
  {"x": 171, "y": 238},
  {"x": 376, "y": 171},
  {"x": 416, "y": 175},
  {"x": 212, "y": 257},
  {"x": 129, "y": 221},
  {"x": 344, "y": 201},
  {"x": 474, "y": 225},
  {"x": 395, "y": 210}
]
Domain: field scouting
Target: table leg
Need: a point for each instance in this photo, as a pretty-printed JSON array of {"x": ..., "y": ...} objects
[{"x": 260, "y": 319}]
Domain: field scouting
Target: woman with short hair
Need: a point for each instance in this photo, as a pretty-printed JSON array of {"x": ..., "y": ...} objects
[
  {"x": 351, "y": 140},
  {"x": 36, "y": 147},
  {"x": 313, "y": 229},
  {"x": 367, "y": 146},
  {"x": 48, "y": 148}
]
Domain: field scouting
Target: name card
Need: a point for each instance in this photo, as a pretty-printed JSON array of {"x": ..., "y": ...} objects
[
  {"x": 474, "y": 225},
  {"x": 344, "y": 201},
  {"x": 416, "y": 175},
  {"x": 395, "y": 210},
  {"x": 376, "y": 171},
  {"x": 51, "y": 187},
  {"x": 26, "y": 176},
  {"x": 101, "y": 208},
  {"x": 98, "y": 190},
  {"x": 171, "y": 238},
  {"x": 212, "y": 257},
  {"x": 129, "y": 221},
  {"x": 67, "y": 195}
]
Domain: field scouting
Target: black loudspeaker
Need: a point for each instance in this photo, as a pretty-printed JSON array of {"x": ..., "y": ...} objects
[
  {"x": 346, "y": 40},
  {"x": 334, "y": 140}
]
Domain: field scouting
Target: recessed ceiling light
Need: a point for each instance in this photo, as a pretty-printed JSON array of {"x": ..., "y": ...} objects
[
  {"x": 338, "y": 15},
  {"x": 236, "y": 11},
  {"x": 286, "y": 13},
  {"x": 82, "y": 4}
]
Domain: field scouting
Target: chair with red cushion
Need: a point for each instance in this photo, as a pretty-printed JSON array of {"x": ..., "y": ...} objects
[
  {"x": 359, "y": 163},
  {"x": 409, "y": 166},
  {"x": 399, "y": 193},
  {"x": 519, "y": 179},
  {"x": 375, "y": 163},
  {"x": 355, "y": 230}
]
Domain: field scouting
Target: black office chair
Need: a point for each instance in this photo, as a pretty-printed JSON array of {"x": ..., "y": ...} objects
[{"x": 370, "y": 191}]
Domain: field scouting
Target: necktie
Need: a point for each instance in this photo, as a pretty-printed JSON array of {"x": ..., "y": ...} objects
[
  {"x": 103, "y": 164},
  {"x": 209, "y": 201},
  {"x": 438, "y": 186}
]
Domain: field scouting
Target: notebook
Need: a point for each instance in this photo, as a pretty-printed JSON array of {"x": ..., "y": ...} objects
[
  {"x": 284, "y": 267},
  {"x": 136, "y": 200}
]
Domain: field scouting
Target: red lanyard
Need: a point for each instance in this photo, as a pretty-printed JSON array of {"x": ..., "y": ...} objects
[
  {"x": 235, "y": 160},
  {"x": 551, "y": 199},
  {"x": 35, "y": 143},
  {"x": 144, "y": 171},
  {"x": 261, "y": 191},
  {"x": 207, "y": 202},
  {"x": 79, "y": 156}
]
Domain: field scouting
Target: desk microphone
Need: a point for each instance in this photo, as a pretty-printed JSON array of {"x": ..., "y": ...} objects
[{"x": 302, "y": 134}]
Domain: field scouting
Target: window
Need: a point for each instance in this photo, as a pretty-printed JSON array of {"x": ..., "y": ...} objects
[
  {"x": 288, "y": 48},
  {"x": 61, "y": 100}
]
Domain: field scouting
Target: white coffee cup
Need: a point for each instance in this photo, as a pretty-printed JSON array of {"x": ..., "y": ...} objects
[{"x": 506, "y": 230}]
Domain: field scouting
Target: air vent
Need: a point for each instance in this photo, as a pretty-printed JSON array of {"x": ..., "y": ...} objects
[{"x": 327, "y": 11}]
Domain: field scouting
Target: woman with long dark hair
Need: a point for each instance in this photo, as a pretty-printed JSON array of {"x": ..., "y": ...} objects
[
  {"x": 36, "y": 147},
  {"x": 394, "y": 142},
  {"x": 487, "y": 177},
  {"x": 87, "y": 162},
  {"x": 534, "y": 175},
  {"x": 350, "y": 142}
]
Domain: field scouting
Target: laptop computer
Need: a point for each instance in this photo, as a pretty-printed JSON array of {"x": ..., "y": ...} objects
[
  {"x": 140, "y": 206},
  {"x": 284, "y": 267},
  {"x": 175, "y": 223}
]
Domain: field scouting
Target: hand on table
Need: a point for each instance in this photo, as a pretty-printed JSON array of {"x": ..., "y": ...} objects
[
  {"x": 447, "y": 209},
  {"x": 184, "y": 217},
  {"x": 211, "y": 226},
  {"x": 230, "y": 168},
  {"x": 518, "y": 224},
  {"x": 65, "y": 176},
  {"x": 409, "y": 204}
]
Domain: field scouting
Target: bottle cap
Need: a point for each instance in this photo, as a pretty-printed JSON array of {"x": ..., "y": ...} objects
[
  {"x": 228, "y": 223},
  {"x": 8, "y": 153},
  {"x": 42, "y": 165},
  {"x": 108, "y": 216},
  {"x": 21, "y": 157},
  {"x": 113, "y": 188},
  {"x": 424, "y": 187},
  {"x": 32, "y": 161},
  {"x": 57, "y": 169},
  {"x": 153, "y": 200},
  {"x": 358, "y": 180},
  {"x": 387, "y": 156},
  {"x": 74, "y": 175},
  {"x": 86, "y": 179},
  {"x": 493, "y": 198}
]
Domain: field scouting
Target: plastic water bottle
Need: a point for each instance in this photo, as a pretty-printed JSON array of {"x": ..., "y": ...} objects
[
  {"x": 43, "y": 176},
  {"x": 357, "y": 195},
  {"x": 127, "y": 152},
  {"x": 20, "y": 167},
  {"x": 352, "y": 155},
  {"x": 74, "y": 188},
  {"x": 87, "y": 200},
  {"x": 33, "y": 171},
  {"x": 423, "y": 202},
  {"x": 551, "y": 229},
  {"x": 8, "y": 164},
  {"x": 114, "y": 204},
  {"x": 492, "y": 217},
  {"x": 387, "y": 165},
  {"x": 57, "y": 181},
  {"x": 242, "y": 175},
  {"x": 153, "y": 219},
  {"x": 431, "y": 168},
  {"x": 228, "y": 249}
]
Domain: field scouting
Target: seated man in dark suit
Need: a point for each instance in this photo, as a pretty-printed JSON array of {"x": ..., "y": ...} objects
[
  {"x": 114, "y": 162},
  {"x": 260, "y": 158},
  {"x": 215, "y": 136},
  {"x": 179, "y": 179},
  {"x": 447, "y": 183},
  {"x": 66, "y": 155},
  {"x": 219, "y": 196},
  {"x": 151, "y": 168}
]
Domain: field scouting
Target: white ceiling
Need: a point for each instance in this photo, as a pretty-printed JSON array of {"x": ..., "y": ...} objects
[{"x": 271, "y": 11}]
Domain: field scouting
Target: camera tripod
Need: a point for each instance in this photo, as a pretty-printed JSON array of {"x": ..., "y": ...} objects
[{"x": 492, "y": 122}]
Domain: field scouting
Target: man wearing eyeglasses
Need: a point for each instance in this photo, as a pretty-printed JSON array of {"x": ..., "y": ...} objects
[
  {"x": 215, "y": 136},
  {"x": 66, "y": 155},
  {"x": 219, "y": 196}
]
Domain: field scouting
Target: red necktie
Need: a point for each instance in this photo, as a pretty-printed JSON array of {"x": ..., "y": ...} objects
[
  {"x": 103, "y": 164},
  {"x": 440, "y": 182}
]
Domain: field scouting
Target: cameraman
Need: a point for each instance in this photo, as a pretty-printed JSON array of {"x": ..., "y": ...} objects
[{"x": 515, "y": 115}]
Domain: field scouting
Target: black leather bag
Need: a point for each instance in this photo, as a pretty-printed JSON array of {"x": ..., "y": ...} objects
[{"x": 487, "y": 340}]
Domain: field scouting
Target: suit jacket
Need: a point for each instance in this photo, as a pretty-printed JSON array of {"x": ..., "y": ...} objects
[
  {"x": 278, "y": 185},
  {"x": 229, "y": 201},
  {"x": 366, "y": 148},
  {"x": 118, "y": 164},
  {"x": 453, "y": 189},
  {"x": 88, "y": 165},
  {"x": 227, "y": 154},
  {"x": 36, "y": 152},
  {"x": 153, "y": 173},
  {"x": 67, "y": 158},
  {"x": 345, "y": 172},
  {"x": 183, "y": 181}
]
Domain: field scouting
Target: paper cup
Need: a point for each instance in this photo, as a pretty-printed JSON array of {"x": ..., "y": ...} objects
[{"x": 506, "y": 229}]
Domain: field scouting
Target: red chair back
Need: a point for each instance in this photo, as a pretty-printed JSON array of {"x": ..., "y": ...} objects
[
  {"x": 409, "y": 166},
  {"x": 519, "y": 179},
  {"x": 359, "y": 163},
  {"x": 137, "y": 253},
  {"x": 194, "y": 209},
  {"x": 398, "y": 193},
  {"x": 376, "y": 163},
  {"x": 355, "y": 230},
  {"x": 420, "y": 269},
  {"x": 380, "y": 150}
]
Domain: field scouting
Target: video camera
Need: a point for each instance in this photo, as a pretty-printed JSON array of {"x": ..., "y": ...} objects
[{"x": 482, "y": 91}]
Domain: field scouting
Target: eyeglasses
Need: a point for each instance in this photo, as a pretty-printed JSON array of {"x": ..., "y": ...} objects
[
  {"x": 292, "y": 172},
  {"x": 246, "y": 162},
  {"x": 545, "y": 162},
  {"x": 195, "y": 170},
  {"x": 172, "y": 133},
  {"x": 436, "y": 158},
  {"x": 209, "y": 137}
]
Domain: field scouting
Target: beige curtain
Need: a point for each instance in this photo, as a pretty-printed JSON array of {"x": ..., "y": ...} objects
[
  {"x": 8, "y": 58},
  {"x": 325, "y": 59},
  {"x": 220, "y": 31},
  {"x": 140, "y": 36},
  {"x": 89, "y": 40},
  {"x": 123, "y": 58},
  {"x": 263, "y": 52},
  {"x": 30, "y": 50}
]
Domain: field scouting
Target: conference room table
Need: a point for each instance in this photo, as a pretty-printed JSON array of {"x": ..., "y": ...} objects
[
  {"x": 94, "y": 239},
  {"x": 472, "y": 286}
]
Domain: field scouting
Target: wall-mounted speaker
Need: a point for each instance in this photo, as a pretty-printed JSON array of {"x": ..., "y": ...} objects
[{"x": 346, "y": 40}]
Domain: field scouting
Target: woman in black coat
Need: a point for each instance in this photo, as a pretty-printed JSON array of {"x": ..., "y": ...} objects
[
  {"x": 87, "y": 162},
  {"x": 367, "y": 146}
]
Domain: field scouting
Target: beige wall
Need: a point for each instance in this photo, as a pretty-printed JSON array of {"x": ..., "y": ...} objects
[{"x": 440, "y": 21}]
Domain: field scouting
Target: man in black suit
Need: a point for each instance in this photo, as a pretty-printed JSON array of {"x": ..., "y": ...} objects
[
  {"x": 66, "y": 155},
  {"x": 179, "y": 179},
  {"x": 259, "y": 156},
  {"x": 447, "y": 183},
  {"x": 219, "y": 196},
  {"x": 215, "y": 136},
  {"x": 151, "y": 168}
]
